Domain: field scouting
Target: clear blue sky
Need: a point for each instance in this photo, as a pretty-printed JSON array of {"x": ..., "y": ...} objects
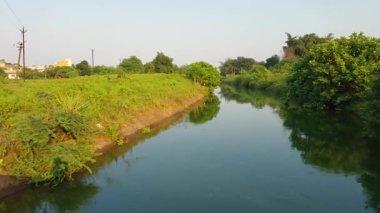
[{"x": 187, "y": 30}]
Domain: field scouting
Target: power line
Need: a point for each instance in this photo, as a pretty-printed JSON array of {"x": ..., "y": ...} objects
[{"x": 13, "y": 12}]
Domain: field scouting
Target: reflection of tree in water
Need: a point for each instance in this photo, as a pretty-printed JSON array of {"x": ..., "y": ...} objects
[
  {"x": 332, "y": 142},
  {"x": 71, "y": 197},
  {"x": 335, "y": 144},
  {"x": 205, "y": 112},
  {"x": 370, "y": 179},
  {"x": 256, "y": 99}
]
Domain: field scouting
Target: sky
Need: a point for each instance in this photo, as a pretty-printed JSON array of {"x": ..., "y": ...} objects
[{"x": 186, "y": 30}]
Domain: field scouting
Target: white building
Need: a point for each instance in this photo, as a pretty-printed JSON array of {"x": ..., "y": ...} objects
[{"x": 10, "y": 69}]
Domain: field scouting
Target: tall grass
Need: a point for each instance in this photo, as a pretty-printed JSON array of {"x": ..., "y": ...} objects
[{"x": 47, "y": 126}]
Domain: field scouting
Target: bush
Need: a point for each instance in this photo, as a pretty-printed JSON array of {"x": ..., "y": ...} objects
[
  {"x": 204, "y": 74},
  {"x": 132, "y": 64},
  {"x": 334, "y": 74},
  {"x": 61, "y": 72},
  {"x": 260, "y": 78},
  {"x": 104, "y": 70}
]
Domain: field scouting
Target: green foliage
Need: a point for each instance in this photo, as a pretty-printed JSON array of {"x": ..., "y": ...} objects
[
  {"x": 372, "y": 111},
  {"x": 33, "y": 131},
  {"x": 105, "y": 70},
  {"x": 204, "y": 74},
  {"x": 59, "y": 72},
  {"x": 31, "y": 74},
  {"x": 132, "y": 64},
  {"x": 272, "y": 61},
  {"x": 3, "y": 75},
  {"x": 74, "y": 124},
  {"x": 235, "y": 66},
  {"x": 163, "y": 63},
  {"x": 1, "y": 162},
  {"x": 261, "y": 78},
  {"x": 206, "y": 111},
  {"x": 146, "y": 131},
  {"x": 298, "y": 46},
  {"x": 73, "y": 74},
  {"x": 149, "y": 67},
  {"x": 334, "y": 74},
  {"x": 83, "y": 68},
  {"x": 47, "y": 125}
]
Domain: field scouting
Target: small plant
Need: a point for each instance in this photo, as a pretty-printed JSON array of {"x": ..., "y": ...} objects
[
  {"x": 119, "y": 142},
  {"x": 146, "y": 131}
]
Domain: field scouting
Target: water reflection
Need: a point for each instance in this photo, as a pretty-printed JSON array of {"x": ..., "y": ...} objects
[
  {"x": 206, "y": 111},
  {"x": 333, "y": 143},
  {"x": 71, "y": 197},
  {"x": 256, "y": 99}
]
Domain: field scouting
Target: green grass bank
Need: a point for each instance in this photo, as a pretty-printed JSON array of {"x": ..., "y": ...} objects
[{"x": 50, "y": 129}]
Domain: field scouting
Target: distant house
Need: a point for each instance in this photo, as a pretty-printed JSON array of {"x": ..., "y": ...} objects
[
  {"x": 10, "y": 69},
  {"x": 38, "y": 68}
]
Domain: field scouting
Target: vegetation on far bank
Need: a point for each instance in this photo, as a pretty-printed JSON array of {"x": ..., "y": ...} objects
[
  {"x": 47, "y": 127},
  {"x": 320, "y": 73}
]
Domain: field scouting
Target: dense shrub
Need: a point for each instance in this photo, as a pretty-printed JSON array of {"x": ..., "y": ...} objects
[
  {"x": 204, "y": 74},
  {"x": 333, "y": 74},
  {"x": 132, "y": 64}
]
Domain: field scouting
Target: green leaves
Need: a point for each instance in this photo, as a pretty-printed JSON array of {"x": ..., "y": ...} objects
[
  {"x": 132, "y": 65},
  {"x": 33, "y": 131},
  {"x": 204, "y": 74},
  {"x": 335, "y": 73}
]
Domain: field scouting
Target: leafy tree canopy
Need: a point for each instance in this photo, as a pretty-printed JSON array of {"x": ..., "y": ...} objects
[
  {"x": 163, "y": 63},
  {"x": 333, "y": 74},
  {"x": 204, "y": 74},
  {"x": 83, "y": 68},
  {"x": 272, "y": 61},
  {"x": 235, "y": 66},
  {"x": 298, "y": 46},
  {"x": 132, "y": 64},
  {"x": 61, "y": 72}
]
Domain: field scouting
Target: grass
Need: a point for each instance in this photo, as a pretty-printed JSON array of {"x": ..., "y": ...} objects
[{"x": 47, "y": 127}]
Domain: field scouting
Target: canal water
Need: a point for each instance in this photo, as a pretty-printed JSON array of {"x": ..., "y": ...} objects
[{"x": 239, "y": 152}]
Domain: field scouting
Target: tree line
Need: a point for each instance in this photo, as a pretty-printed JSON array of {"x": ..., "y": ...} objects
[{"x": 323, "y": 73}]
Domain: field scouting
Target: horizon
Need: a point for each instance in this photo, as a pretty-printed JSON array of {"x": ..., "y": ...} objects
[{"x": 186, "y": 31}]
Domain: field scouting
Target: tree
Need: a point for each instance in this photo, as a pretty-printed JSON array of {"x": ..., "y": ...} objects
[
  {"x": 149, "y": 67},
  {"x": 298, "y": 46},
  {"x": 235, "y": 66},
  {"x": 62, "y": 72},
  {"x": 83, "y": 68},
  {"x": 272, "y": 61},
  {"x": 105, "y": 70},
  {"x": 372, "y": 110},
  {"x": 333, "y": 74},
  {"x": 163, "y": 63},
  {"x": 204, "y": 74},
  {"x": 132, "y": 64}
]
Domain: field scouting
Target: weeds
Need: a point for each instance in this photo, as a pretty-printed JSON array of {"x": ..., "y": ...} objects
[
  {"x": 46, "y": 126},
  {"x": 146, "y": 131}
]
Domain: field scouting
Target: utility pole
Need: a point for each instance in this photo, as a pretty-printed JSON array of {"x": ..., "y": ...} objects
[
  {"x": 23, "y": 31},
  {"x": 92, "y": 54},
  {"x": 19, "y": 47}
]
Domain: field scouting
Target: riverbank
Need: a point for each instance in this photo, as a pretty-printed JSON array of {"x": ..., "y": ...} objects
[{"x": 151, "y": 100}]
